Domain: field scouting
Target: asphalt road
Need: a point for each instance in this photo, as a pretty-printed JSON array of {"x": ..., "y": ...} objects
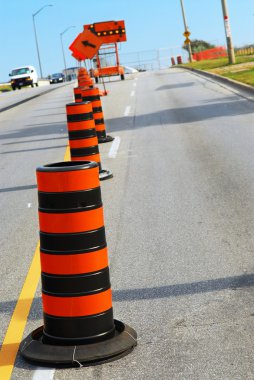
[{"x": 179, "y": 223}]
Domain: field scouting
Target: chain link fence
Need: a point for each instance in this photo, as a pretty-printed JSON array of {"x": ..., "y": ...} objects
[{"x": 155, "y": 59}]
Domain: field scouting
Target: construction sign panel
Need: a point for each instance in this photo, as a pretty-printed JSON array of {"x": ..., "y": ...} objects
[
  {"x": 86, "y": 45},
  {"x": 77, "y": 55},
  {"x": 108, "y": 31}
]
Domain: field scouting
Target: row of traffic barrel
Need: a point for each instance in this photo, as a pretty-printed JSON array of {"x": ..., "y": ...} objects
[
  {"x": 178, "y": 60},
  {"x": 79, "y": 327}
]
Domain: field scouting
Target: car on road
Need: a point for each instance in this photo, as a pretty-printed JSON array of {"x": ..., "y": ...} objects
[
  {"x": 23, "y": 76},
  {"x": 57, "y": 78}
]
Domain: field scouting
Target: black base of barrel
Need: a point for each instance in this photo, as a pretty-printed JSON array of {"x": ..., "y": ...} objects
[
  {"x": 122, "y": 343},
  {"x": 106, "y": 139},
  {"x": 105, "y": 174}
]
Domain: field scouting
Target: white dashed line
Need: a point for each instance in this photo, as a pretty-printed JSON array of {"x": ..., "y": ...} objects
[
  {"x": 43, "y": 374},
  {"x": 134, "y": 84},
  {"x": 127, "y": 110},
  {"x": 132, "y": 93},
  {"x": 114, "y": 147},
  {"x": 29, "y": 205}
]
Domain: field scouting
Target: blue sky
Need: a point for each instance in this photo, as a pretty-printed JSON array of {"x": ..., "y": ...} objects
[{"x": 150, "y": 25}]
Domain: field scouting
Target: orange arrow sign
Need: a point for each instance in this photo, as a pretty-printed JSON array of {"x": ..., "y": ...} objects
[
  {"x": 77, "y": 55},
  {"x": 86, "y": 45}
]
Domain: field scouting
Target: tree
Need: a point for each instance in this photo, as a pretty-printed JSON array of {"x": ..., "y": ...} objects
[{"x": 199, "y": 45}]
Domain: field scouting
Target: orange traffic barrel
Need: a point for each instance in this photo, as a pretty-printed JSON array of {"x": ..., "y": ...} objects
[
  {"x": 82, "y": 71},
  {"x": 173, "y": 61},
  {"x": 87, "y": 83},
  {"x": 84, "y": 78},
  {"x": 179, "y": 60},
  {"x": 78, "y": 94},
  {"x": 83, "y": 139},
  {"x": 93, "y": 96},
  {"x": 76, "y": 294}
]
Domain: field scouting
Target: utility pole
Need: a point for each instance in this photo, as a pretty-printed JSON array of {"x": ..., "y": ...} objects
[
  {"x": 231, "y": 52},
  {"x": 61, "y": 38},
  {"x": 186, "y": 31},
  {"x": 35, "y": 34}
]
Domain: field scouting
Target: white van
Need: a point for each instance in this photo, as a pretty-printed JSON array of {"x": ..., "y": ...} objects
[{"x": 23, "y": 76}]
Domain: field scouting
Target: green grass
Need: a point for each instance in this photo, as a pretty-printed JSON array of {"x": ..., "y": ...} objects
[
  {"x": 246, "y": 76},
  {"x": 5, "y": 88},
  {"x": 227, "y": 70},
  {"x": 220, "y": 62}
]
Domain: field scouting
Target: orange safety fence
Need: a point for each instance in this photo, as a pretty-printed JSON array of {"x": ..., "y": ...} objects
[{"x": 217, "y": 52}]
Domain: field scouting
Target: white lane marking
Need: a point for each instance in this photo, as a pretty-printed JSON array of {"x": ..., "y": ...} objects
[
  {"x": 127, "y": 110},
  {"x": 43, "y": 374},
  {"x": 132, "y": 93},
  {"x": 114, "y": 147},
  {"x": 29, "y": 205},
  {"x": 136, "y": 79},
  {"x": 134, "y": 84}
]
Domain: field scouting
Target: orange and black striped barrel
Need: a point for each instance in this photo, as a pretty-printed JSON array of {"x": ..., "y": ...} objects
[
  {"x": 81, "y": 73},
  {"x": 83, "y": 139},
  {"x": 82, "y": 70},
  {"x": 76, "y": 292},
  {"x": 78, "y": 94},
  {"x": 93, "y": 96},
  {"x": 85, "y": 80},
  {"x": 86, "y": 84}
]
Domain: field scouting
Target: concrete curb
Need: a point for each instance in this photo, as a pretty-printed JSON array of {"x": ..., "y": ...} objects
[
  {"x": 218, "y": 78},
  {"x": 32, "y": 97}
]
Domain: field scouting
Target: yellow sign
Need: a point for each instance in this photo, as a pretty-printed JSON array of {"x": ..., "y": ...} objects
[
  {"x": 187, "y": 41},
  {"x": 186, "y": 34}
]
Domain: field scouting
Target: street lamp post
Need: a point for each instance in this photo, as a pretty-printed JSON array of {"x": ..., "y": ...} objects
[
  {"x": 186, "y": 30},
  {"x": 61, "y": 37},
  {"x": 231, "y": 53},
  {"x": 35, "y": 34}
]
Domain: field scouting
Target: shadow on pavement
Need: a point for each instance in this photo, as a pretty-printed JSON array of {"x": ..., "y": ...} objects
[
  {"x": 18, "y": 188},
  {"x": 167, "y": 291},
  {"x": 36, "y": 130},
  {"x": 37, "y": 140},
  {"x": 178, "y": 290},
  {"x": 35, "y": 149},
  {"x": 50, "y": 114},
  {"x": 181, "y": 115},
  {"x": 176, "y": 85}
]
